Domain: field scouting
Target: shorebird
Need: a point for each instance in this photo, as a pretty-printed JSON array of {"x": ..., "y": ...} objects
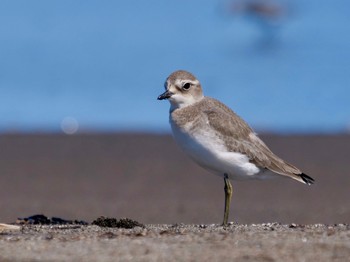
[{"x": 218, "y": 139}]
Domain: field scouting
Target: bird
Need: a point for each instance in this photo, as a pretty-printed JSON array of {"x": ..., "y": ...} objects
[{"x": 217, "y": 139}]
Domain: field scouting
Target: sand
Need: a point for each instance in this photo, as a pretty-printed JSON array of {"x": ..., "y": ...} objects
[{"x": 257, "y": 242}]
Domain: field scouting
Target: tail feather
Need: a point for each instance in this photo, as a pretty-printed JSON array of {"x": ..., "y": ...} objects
[{"x": 307, "y": 179}]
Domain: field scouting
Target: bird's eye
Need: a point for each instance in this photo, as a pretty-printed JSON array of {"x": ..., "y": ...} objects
[{"x": 186, "y": 86}]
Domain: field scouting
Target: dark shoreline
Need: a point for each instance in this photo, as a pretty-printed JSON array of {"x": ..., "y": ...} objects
[{"x": 148, "y": 178}]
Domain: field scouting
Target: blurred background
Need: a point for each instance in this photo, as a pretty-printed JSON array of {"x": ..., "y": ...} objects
[
  {"x": 82, "y": 134},
  {"x": 99, "y": 65}
]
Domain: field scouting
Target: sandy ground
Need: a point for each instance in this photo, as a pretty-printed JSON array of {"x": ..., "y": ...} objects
[
  {"x": 262, "y": 242},
  {"x": 147, "y": 178}
]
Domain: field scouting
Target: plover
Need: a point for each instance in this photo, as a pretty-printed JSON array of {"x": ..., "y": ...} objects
[{"x": 218, "y": 139}]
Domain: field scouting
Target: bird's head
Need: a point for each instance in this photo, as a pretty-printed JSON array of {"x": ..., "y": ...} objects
[{"x": 181, "y": 89}]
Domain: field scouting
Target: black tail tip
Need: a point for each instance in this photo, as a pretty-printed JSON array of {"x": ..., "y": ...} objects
[{"x": 307, "y": 179}]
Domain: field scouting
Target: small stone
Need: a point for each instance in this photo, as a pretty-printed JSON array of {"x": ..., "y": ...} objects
[
  {"x": 7, "y": 227},
  {"x": 140, "y": 232}
]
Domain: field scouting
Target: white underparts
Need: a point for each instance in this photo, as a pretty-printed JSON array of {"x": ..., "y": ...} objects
[{"x": 209, "y": 151}]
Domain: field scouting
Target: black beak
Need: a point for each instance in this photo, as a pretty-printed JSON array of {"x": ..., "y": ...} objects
[{"x": 167, "y": 94}]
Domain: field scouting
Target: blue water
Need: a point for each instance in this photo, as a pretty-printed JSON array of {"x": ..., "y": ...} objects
[{"x": 103, "y": 63}]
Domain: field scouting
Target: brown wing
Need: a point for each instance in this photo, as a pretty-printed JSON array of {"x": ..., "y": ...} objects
[{"x": 241, "y": 138}]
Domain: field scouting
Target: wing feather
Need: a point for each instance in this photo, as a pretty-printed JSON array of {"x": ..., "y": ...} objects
[{"x": 240, "y": 137}]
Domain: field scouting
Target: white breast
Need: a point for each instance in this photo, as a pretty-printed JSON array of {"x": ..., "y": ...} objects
[{"x": 208, "y": 150}]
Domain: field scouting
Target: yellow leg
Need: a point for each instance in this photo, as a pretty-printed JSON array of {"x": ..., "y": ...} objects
[{"x": 228, "y": 195}]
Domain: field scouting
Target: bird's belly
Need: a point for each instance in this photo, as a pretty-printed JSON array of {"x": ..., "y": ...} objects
[{"x": 210, "y": 152}]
